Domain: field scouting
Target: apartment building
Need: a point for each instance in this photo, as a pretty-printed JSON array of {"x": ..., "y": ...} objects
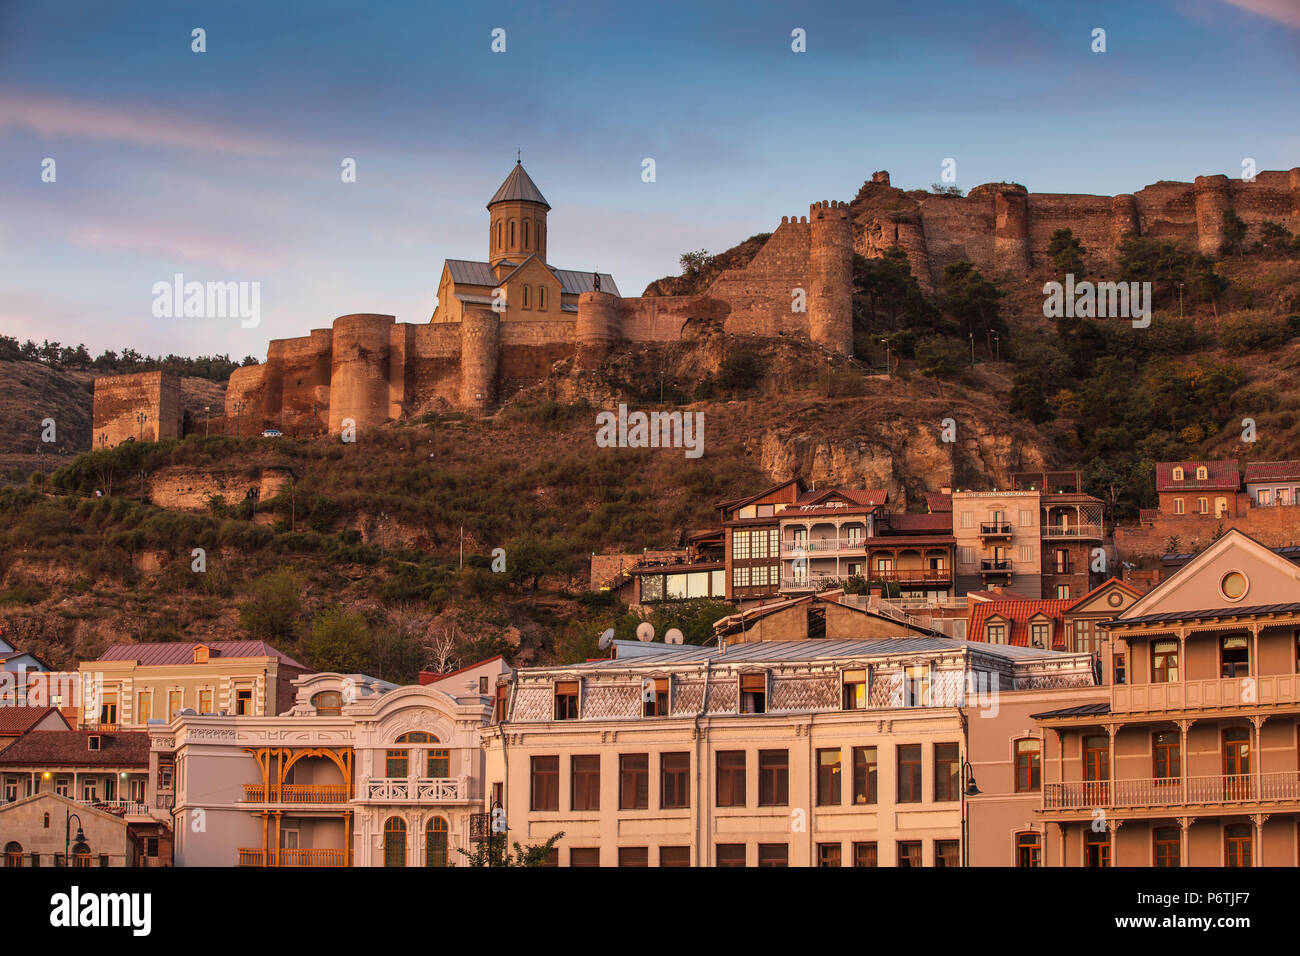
[
  {"x": 357, "y": 772},
  {"x": 1071, "y": 532},
  {"x": 793, "y": 753},
  {"x": 131, "y": 684},
  {"x": 998, "y": 537},
  {"x": 1194, "y": 759}
]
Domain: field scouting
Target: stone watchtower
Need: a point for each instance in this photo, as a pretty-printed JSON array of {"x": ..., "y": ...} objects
[
  {"x": 830, "y": 266},
  {"x": 518, "y": 221}
]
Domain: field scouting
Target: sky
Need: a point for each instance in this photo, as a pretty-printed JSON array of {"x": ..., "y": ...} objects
[{"x": 226, "y": 165}]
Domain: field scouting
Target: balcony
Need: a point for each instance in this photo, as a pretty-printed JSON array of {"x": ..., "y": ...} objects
[
  {"x": 122, "y": 808},
  {"x": 256, "y": 856},
  {"x": 994, "y": 566},
  {"x": 912, "y": 575},
  {"x": 296, "y": 793},
  {"x": 793, "y": 547},
  {"x": 1260, "y": 690},
  {"x": 1088, "y": 532},
  {"x": 418, "y": 790},
  {"x": 995, "y": 529},
  {"x": 1087, "y": 795}
]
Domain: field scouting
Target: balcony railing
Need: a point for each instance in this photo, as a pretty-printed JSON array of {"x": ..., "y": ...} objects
[
  {"x": 792, "y": 546},
  {"x": 1072, "y": 531},
  {"x": 256, "y": 856},
  {"x": 995, "y": 529},
  {"x": 995, "y": 566},
  {"x": 296, "y": 793},
  {"x": 1263, "y": 689},
  {"x": 1172, "y": 791},
  {"x": 421, "y": 789},
  {"x": 911, "y": 575},
  {"x": 123, "y": 808}
]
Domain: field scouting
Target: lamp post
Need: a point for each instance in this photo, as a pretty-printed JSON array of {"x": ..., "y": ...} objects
[
  {"x": 140, "y": 419},
  {"x": 239, "y": 411},
  {"x": 67, "y": 841},
  {"x": 207, "y": 419},
  {"x": 968, "y": 789}
]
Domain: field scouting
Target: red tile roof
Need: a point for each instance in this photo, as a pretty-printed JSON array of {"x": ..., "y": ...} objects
[
  {"x": 913, "y": 523},
  {"x": 1272, "y": 471},
  {"x": 15, "y": 721},
  {"x": 171, "y": 653},
  {"x": 864, "y": 498},
  {"x": 70, "y": 748},
  {"x": 1221, "y": 475},
  {"x": 432, "y": 677},
  {"x": 1018, "y": 614},
  {"x": 937, "y": 501}
]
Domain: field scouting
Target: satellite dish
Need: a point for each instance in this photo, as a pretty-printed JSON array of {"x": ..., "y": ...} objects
[
  {"x": 645, "y": 631},
  {"x": 673, "y": 636},
  {"x": 606, "y": 639}
]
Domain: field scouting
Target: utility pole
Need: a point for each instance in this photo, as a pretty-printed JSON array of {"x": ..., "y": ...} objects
[
  {"x": 972, "y": 350},
  {"x": 462, "y": 547},
  {"x": 207, "y": 419}
]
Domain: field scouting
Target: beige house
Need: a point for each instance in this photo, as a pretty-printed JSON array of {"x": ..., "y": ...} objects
[
  {"x": 792, "y": 753},
  {"x": 358, "y": 772},
  {"x": 132, "y": 684},
  {"x": 47, "y": 829},
  {"x": 999, "y": 540}
]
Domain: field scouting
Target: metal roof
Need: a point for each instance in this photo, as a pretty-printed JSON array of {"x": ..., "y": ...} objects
[
  {"x": 518, "y": 187},
  {"x": 1082, "y": 710},
  {"x": 182, "y": 652},
  {"x": 572, "y": 281},
  {"x": 469, "y": 272},
  {"x": 811, "y": 650},
  {"x": 1254, "y": 609}
]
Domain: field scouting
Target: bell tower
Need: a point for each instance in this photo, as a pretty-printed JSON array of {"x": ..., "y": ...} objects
[{"x": 518, "y": 220}]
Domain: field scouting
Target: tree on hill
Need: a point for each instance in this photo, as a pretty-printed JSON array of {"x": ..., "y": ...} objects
[
  {"x": 1066, "y": 252},
  {"x": 971, "y": 301}
]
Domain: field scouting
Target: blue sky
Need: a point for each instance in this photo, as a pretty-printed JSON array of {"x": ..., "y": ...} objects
[{"x": 225, "y": 165}]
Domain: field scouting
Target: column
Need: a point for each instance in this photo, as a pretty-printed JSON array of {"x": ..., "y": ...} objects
[
  {"x": 1184, "y": 763},
  {"x": 1257, "y": 838},
  {"x": 1184, "y": 824}
]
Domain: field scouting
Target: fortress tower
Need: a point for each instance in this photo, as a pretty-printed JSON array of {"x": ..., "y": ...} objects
[
  {"x": 518, "y": 221},
  {"x": 480, "y": 355},
  {"x": 597, "y": 327},
  {"x": 830, "y": 267},
  {"x": 1211, "y": 203},
  {"x": 1011, "y": 229},
  {"x": 1123, "y": 220},
  {"x": 359, "y": 371}
]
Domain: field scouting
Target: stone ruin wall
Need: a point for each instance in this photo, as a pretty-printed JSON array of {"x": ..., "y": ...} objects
[{"x": 120, "y": 398}]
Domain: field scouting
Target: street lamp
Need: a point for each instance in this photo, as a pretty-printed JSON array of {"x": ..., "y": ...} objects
[
  {"x": 141, "y": 418},
  {"x": 968, "y": 789},
  {"x": 67, "y": 841}
]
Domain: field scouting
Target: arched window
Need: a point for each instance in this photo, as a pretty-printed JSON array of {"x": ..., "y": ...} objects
[
  {"x": 1029, "y": 849},
  {"x": 328, "y": 703},
  {"x": 13, "y": 854},
  {"x": 1201, "y": 473},
  {"x": 500, "y": 234},
  {"x": 47, "y": 821},
  {"x": 435, "y": 842},
  {"x": 81, "y": 855},
  {"x": 541, "y": 297},
  {"x": 527, "y": 302},
  {"x": 417, "y": 737},
  {"x": 437, "y": 760},
  {"x": 1178, "y": 474},
  {"x": 1029, "y": 753},
  {"x": 512, "y": 233},
  {"x": 526, "y": 234},
  {"x": 395, "y": 842}
]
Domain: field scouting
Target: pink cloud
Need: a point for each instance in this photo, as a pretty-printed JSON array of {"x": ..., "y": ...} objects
[{"x": 1286, "y": 12}]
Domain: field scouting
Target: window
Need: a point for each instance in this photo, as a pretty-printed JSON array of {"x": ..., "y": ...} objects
[
  {"x": 947, "y": 853},
  {"x": 1096, "y": 757},
  {"x": 916, "y": 685},
  {"x": 328, "y": 703},
  {"x": 1119, "y": 669},
  {"x": 634, "y": 781},
  {"x": 1096, "y": 848},
  {"x": 1234, "y": 656},
  {"x": 633, "y": 856},
  {"x": 151, "y": 846},
  {"x": 995, "y": 633},
  {"x": 864, "y": 775},
  {"x": 1029, "y": 756},
  {"x": 61, "y": 786},
  {"x": 1178, "y": 473},
  {"x": 395, "y": 764},
  {"x": 1284, "y": 496},
  {"x": 1039, "y": 632},
  {"x": 1201, "y": 473},
  {"x": 864, "y": 854},
  {"x": 909, "y": 773},
  {"x": 1167, "y": 846},
  {"x": 773, "y": 854},
  {"x": 909, "y": 854},
  {"x": 1025, "y": 553},
  {"x": 1203, "y": 506},
  {"x": 526, "y": 233},
  {"x": 503, "y": 699},
  {"x": 584, "y": 856},
  {"x": 437, "y": 764},
  {"x": 1264, "y": 498},
  {"x": 1178, "y": 506},
  {"x": 1029, "y": 849},
  {"x": 1236, "y": 762},
  {"x": 243, "y": 702},
  {"x": 586, "y": 782},
  {"x": 205, "y": 702},
  {"x": 1237, "y": 838},
  {"x": 527, "y": 301},
  {"x": 729, "y": 854},
  {"x": 395, "y": 842},
  {"x": 731, "y": 778},
  {"x": 947, "y": 772},
  {"x": 143, "y": 707},
  {"x": 655, "y": 697},
  {"x": 566, "y": 700},
  {"x": 1233, "y": 586},
  {"x": 11, "y": 792},
  {"x": 1026, "y": 519},
  {"x": 541, "y": 297},
  {"x": 545, "y": 780},
  {"x": 855, "y": 690},
  {"x": 674, "y": 856},
  {"x": 13, "y": 854},
  {"x": 968, "y": 519},
  {"x": 512, "y": 233},
  {"x": 753, "y": 693},
  {"x": 675, "y": 781},
  {"x": 174, "y": 701},
  {"x": 1063, "y": 592},
  {"x": 1164, "y": 662},
  {"x": 435, "y": 842},
  {"x": 828, "y": 854},
  {"x": 773, "y": 778},
  {"x": 1165, "y": 757},
  {"x": 81, "y": 855},
  {"x": 500, "y": 237},
  {"x": 828, "y": 778},
  {"x": 89, "y": 790}
]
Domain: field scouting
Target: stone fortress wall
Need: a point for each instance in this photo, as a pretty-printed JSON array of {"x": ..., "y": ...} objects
[
  {"x": 121, "y": 399},
  {"x": 369, "y": 368}
]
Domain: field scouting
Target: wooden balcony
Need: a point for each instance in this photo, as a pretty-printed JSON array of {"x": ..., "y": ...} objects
[
  {"x": 1086, "y": 795},
  {"x": 296, "y": 793},
  {"x": 1086, "y": 532},
  {"x": 853, "y": 546},
  {"x": 256, "y": 856},
  {"x": 1261, "y": 690},
  {"x": 912, "y": 575}
]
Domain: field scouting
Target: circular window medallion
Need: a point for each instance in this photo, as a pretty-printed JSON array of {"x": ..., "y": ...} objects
[
  {"x": 1115, "y": 599},
  {"x": 1233, "y": 585}
]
